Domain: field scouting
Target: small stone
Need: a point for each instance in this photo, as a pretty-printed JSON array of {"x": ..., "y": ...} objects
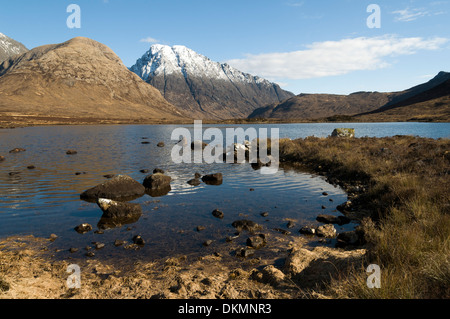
[
  {"x": 17, "y": 150},
  {"x": 290, "y": 224},
  {"x": 207, "y": 243},
  {"x": 161, "y": 144},
  {"x": 200, "y": 228},
  {"x": 83, "y": 228},
  {"x": 145, "y": 142},
  {"x": 2, "y": 158},
  {"x": 282, "y": 231},
  {"x": 31, "y": 167},
  {"x": 118, "y": 242},
  {"x": 158, "y": 170},
  {"x": 73, "y": 250},
  {"x": 198, "y": 175},
  {"x": 247, "y": 225},
  {"x": 245, "y": 252},
  {"x": 256, "y": 242},
  {"x": 99, "y": 245},
  {"x": 53, "y": 237},
  {"x": 218, "y": 214},
  {"x": 71, "y": 152},
  {"x": 325, "y": 194},
  {"x": 194, "y": 182},
  {"x": 264, "y": 214},
  {"x": 138, "y": 240},
  {"x": 144, "y": 171},
  {"x": 90, "y": 254},
  {"x": 306, "y": 230}
]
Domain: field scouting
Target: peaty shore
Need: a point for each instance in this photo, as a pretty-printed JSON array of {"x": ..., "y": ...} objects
[{"x": 397, "y": 190}]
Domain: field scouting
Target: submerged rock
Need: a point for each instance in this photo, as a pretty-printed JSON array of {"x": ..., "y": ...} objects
[
  {"x": 198, "y": 145},
  {"x": 121, "y": 187},
  {"x": 218, "y": 214},
  {"x": 247, "y": 225},
  {"x": 17, "y": 150},
  {"x": 257, "y": 241},
  {"x": 330, "y": 219},
  {"x": 194, "y": 182},
  {"x": 138, "y": 240}
]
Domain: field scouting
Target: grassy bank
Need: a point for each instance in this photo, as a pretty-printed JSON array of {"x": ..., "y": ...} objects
[{"x": 399, "y": 189}]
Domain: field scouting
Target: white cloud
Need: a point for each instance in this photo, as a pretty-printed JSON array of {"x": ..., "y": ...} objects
[
  {"x": 149, "y": 40},
  {"x": 330, "y": 58},
  {"x": 408, "y": 14}
]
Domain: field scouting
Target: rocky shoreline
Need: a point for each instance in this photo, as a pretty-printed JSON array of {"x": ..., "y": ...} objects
[
  {"x": 299, "y": 270},
  {"x": 243, "y": 276}
]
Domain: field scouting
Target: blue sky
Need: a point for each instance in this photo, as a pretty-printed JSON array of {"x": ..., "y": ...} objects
[{"x": 307, "y": 46}]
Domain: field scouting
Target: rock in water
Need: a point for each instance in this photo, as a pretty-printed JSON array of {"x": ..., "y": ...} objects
[
  {"x": 117, "y": 214},
  {"x": 213, "y": 179},
  {"x": 83, "y": 228},
  {"x": 247, "y": 225},
  {"x": 113, "y": 209},
  {"x": 157, "y": 181},
  {"x": 343, "y": 132},
  {"x": 330, "y": 219},
  {"x": 121, "y": 187}
]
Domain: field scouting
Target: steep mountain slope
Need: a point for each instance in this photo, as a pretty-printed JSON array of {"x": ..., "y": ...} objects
[
  {"x": 10, "y": 48},
  {"x": 315, "y": 106},
  {"x": 78, "y": 78},
  {"x": 206, "y": 89}
]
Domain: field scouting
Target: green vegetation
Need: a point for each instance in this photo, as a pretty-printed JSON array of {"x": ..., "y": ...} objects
[{"x": 402, "y": 200}]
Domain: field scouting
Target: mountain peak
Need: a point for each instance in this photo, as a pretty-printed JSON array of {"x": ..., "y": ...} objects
[
  {"x": 10, "y": 47},
  {"x": 205, "y": 88}
]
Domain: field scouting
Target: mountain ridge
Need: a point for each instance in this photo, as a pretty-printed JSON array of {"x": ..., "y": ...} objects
[
  {"x": 204, "y": 88},
  {"x": 10, "y": 47}
]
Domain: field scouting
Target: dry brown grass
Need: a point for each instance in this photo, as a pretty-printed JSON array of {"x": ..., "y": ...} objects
[{"x": 405, "y": 181}]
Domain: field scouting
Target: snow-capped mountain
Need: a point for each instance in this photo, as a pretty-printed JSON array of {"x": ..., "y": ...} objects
[
  {"x": 10, "y": 47},
  {"x": 206, "y": 89}
]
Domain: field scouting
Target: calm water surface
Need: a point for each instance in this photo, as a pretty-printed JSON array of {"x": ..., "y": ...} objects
[{"x": 45, "y": 200}]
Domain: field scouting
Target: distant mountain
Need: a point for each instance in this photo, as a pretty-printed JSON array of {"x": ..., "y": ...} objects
[
  {"x": 204, "y": 88},
  {"x": 428, "y": 101},
  {"x": 77, "y": 78},
  {"x": 316, "y": 106},
  {"x": 10, "y": 48}
]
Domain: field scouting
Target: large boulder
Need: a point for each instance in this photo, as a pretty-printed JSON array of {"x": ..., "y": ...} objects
[
  {"x": 120, "y": 187},
  {"x": 343, "y": 132}
]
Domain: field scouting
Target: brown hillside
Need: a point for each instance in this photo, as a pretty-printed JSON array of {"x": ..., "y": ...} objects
[{"x": 80, "y": 78}]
